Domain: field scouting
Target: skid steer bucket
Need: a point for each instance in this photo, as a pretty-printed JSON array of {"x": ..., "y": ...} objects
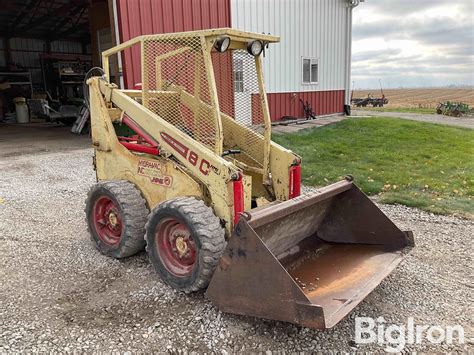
[{"x": 309, "y": 260}]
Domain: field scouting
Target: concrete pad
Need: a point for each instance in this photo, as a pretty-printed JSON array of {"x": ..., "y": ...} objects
[
  {"x": 34, "y": 138},
  {"x": 465, "y": 122},
  {"x": 319, "y": 122},
  {"x": 287, "y": 129}
]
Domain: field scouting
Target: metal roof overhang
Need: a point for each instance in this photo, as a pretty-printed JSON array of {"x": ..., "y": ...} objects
[{"x": 46, "y": 20}]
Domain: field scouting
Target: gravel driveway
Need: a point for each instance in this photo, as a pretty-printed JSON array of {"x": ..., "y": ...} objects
[
  {"x": 464, "y": 122},
  {"x": 59, "y": 294}
]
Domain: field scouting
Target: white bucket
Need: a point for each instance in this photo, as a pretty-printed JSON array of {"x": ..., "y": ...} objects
[{"x": 22, "y": 114}]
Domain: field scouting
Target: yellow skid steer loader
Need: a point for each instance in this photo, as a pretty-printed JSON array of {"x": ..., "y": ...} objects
[{"x": 186, "y": 167}]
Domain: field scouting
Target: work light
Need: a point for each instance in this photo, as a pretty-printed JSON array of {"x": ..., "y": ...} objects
[
  {"x": 255, "y": 47},
  {"x": 222, "y": 44}
]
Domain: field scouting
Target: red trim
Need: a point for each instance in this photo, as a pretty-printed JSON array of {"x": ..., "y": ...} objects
[
  {"x": 289, "y": 104},
  {"x": 140, "y": 148},
  {"x": 171, "y": 235},
  {"x": 138, "y": 130},
  {"x": 178, "y": 146},
  {"x": 238, "y": 187},
  {"x": 141, "y": 142},
  {"x": 131, "y": 139},
  {"x": 107, "y": 232},
  {"x": 295, "y": 181}
]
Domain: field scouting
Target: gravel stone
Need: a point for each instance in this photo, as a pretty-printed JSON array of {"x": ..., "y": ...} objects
[{"x": 58, "y": 294}]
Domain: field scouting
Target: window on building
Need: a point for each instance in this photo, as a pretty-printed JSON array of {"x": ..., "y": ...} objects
[
  {"x": 310, "y": 70},
  {"x": 238, "y": 75}
]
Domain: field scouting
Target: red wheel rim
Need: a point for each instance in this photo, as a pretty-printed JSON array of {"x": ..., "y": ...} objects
[
  {"x": 176, "y": 247},
  {"x": 107, "y": 220}
]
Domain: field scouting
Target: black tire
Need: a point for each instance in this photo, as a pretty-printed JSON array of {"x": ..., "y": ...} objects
[
  {"x": 131, "y": 211},
  {"x": 207, "y": 235}
]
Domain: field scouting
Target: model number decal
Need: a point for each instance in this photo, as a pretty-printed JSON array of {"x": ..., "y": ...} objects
[
  {"x": 204, "y": 166},
  {"x": 154, "y": 171}
]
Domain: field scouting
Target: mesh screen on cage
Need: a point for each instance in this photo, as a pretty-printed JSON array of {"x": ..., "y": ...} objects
[
  {"x": 177, "y": 86},
  {"x": 239, "y": 98},
  {"x": 238, "y": 88}
]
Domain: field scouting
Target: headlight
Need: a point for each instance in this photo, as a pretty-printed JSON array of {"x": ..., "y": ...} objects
[
  {"x": 255, "y": 47},
  {"x": 222, "y": 44}
]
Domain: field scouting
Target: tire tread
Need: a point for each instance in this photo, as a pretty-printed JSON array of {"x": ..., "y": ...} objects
[
  {"x": 134, "y": 215},
  {"x": 207, "y": 227}
]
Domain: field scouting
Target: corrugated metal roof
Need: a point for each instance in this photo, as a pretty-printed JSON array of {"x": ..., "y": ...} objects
[{"x": 48, "y": 20}]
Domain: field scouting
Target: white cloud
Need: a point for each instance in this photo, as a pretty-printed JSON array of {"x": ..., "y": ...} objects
[{"x": 413, "y": 43}]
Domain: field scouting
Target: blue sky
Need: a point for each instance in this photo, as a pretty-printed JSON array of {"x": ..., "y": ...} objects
[{"x": 413, "y": 43}]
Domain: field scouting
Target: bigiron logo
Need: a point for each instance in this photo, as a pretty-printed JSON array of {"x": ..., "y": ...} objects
[{"x": 396, "y": 336}]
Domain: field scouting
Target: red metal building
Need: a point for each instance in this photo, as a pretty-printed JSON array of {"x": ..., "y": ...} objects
[{"x": 311, "y": 64}]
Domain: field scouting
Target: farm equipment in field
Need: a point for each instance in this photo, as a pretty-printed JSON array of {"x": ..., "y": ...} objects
[
  {"x": 379, "y": 101},
  {"x": 358, "y": 102},
  {"x": 309, "y": 114},
  {"x": 456, "y": 109},
  {"x": 187, "y": 168},
  {"x": 370, "y": 100}
]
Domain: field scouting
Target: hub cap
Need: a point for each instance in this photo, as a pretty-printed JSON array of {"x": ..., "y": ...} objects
[
  {"x": 175, "y": 247},
  {"x": 107, "y": 221}
]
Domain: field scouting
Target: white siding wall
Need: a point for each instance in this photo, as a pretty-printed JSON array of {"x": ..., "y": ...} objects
[{"x": 307, "y": 28}]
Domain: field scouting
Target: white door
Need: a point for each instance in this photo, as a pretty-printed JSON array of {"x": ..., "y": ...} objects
[{"x": 245, "y": 84}]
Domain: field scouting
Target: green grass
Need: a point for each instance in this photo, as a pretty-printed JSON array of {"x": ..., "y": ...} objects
[
  {"x": 412, "y": 163},
  {"x": 399, "y": 109}
]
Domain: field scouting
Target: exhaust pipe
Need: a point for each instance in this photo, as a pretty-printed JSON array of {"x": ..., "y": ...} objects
[{"x": 309, "y": 260}]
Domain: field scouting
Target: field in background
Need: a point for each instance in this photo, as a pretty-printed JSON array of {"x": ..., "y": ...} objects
[
  {"x": 420, "y": 98},
  {"x": 412, "y": 163}
]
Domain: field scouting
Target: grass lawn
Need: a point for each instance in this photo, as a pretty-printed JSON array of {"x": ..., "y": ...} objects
[
  {"x": 412, "y": 163},
  {"x": 398, "y": 109}
]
